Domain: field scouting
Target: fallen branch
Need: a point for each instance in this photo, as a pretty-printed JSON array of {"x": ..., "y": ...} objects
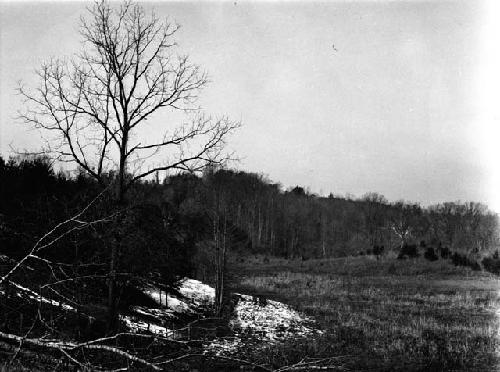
[
  {"x": 231, "y": 359},
  {"x": 139, "y": 335},
  {"x": 314, "y": 365},
  {"x": 32, "y": 295},
  {"x": 64, "y": 347}
]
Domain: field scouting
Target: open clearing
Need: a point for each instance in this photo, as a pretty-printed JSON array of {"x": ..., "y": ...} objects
[{"x": 388, "y": 314}]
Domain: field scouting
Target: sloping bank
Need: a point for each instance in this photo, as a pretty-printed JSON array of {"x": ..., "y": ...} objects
[{"x": 254, "y": 322}]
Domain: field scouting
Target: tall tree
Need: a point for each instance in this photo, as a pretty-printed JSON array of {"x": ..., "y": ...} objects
[
  {"x": 95, "y": 106},
  {"x": 374, "y": 216}
]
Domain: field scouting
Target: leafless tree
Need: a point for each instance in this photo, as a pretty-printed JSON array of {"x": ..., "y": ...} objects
[
  {"x": 404, "y": 219},
  {"x": 95, "y": 106}
]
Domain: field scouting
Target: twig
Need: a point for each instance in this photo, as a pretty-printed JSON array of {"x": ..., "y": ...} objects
[
  {"x": 237, "y": 360},
  {"x": 313, "y": 365}
]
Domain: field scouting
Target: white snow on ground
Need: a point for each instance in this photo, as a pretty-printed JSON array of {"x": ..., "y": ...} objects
[
  {"x": 273, "y": 319},
  {"x": 167, "y": 300},
  {"x": 34, "y": 296},
  {"x": 253, "y": 319},
  {"x": 195, "y": 296},
  {"x": 195, "y": 293},
  {"x": 199, "y": 293},
  {"x": 255, "y": 322},
  {"x": 160, "y": 314},
  {"x": 138, "y": 326},
  {"x": 269, "y": 321}
]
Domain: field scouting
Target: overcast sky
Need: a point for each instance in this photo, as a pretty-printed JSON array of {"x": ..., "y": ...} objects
[{"x": 404, "y": 105}]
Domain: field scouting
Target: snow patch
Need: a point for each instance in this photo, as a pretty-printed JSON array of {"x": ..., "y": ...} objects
[
  {"x": 139, "y": 326},
  {"x": 263, "y": 320},
  {"x": 164, "y": 299},
  {"x": 34, "y": 296},
  {"x": 272, "y": 318},
  {"x": 199, "y": 293},
  {"x": 154, "y": 313},
  {"x": 255, "y": 322},
  {"x": 195, "y": 296}
]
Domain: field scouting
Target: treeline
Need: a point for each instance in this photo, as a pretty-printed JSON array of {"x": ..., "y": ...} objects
[
  {"x": 181, "y": 213},
  {"x": 295, "y": 223}
]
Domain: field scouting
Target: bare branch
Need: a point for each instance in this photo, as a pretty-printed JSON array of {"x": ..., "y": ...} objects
[
  {"x": 64, "y": 347},
  {"x": 40, "y": 245},
  {"x": 93, "y": 104}
]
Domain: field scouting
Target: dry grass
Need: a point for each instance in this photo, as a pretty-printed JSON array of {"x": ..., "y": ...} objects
[{"x": 389, "y": 314}]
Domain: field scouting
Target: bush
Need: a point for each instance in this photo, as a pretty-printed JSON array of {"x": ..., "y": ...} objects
[
  {"x": 430, "y": 254},
  {"x": 491, "y": 264},
  {"x": 378, "y": 250},
  {"x": 445, "y": 253},
  {"x": 459, "y": 259},
  {"x": 474, "y": 265},
  {"x": 462, "y": 260},
  {"x": 408, "y": 250}
]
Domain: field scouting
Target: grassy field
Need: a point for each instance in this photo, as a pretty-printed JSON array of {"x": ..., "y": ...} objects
[{"x": 410, "y": 315}]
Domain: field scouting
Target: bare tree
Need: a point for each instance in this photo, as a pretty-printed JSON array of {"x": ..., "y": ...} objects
[
  {"x": 95, "y": 106},
  {"x": 404, "y": 220}
]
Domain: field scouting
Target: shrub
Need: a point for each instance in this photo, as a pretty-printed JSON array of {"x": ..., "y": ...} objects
[
  {"x": 444, "y": 252},
  {"x": 491, "y": 264},
  {"x": 378, "y": 250},
  {"x": 462, "y": 260},
  {"x": 430, "y": 254},
  {"x": 474, "y": 265},
  {"x": 408, "y": 250},
  {"x": 458, "y": 259}
]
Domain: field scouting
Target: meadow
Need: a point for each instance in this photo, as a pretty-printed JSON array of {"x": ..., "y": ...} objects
[{"x": 383, "y": 315}]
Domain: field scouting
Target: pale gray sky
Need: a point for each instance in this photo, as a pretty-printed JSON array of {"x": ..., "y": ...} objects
[{"x": 404, "y": 107}]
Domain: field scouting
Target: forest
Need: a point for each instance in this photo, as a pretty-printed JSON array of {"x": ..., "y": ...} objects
[
  {"x": 169, "y": 224},
  {"x": 131, "y": 240},
  {"x": 261, "y": 216}
]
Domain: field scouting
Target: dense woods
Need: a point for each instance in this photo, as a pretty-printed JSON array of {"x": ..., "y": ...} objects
[
  {"x": 294, "y": 223},
  {"x": 170, "y": 219}
]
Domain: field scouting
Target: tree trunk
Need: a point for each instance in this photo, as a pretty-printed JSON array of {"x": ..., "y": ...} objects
[
  {"x": 115, "y": 249},
  {"x": 112, "y": 315}
]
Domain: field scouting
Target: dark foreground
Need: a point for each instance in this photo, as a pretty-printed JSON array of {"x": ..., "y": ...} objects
[{"x": 376, "y": 315}]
